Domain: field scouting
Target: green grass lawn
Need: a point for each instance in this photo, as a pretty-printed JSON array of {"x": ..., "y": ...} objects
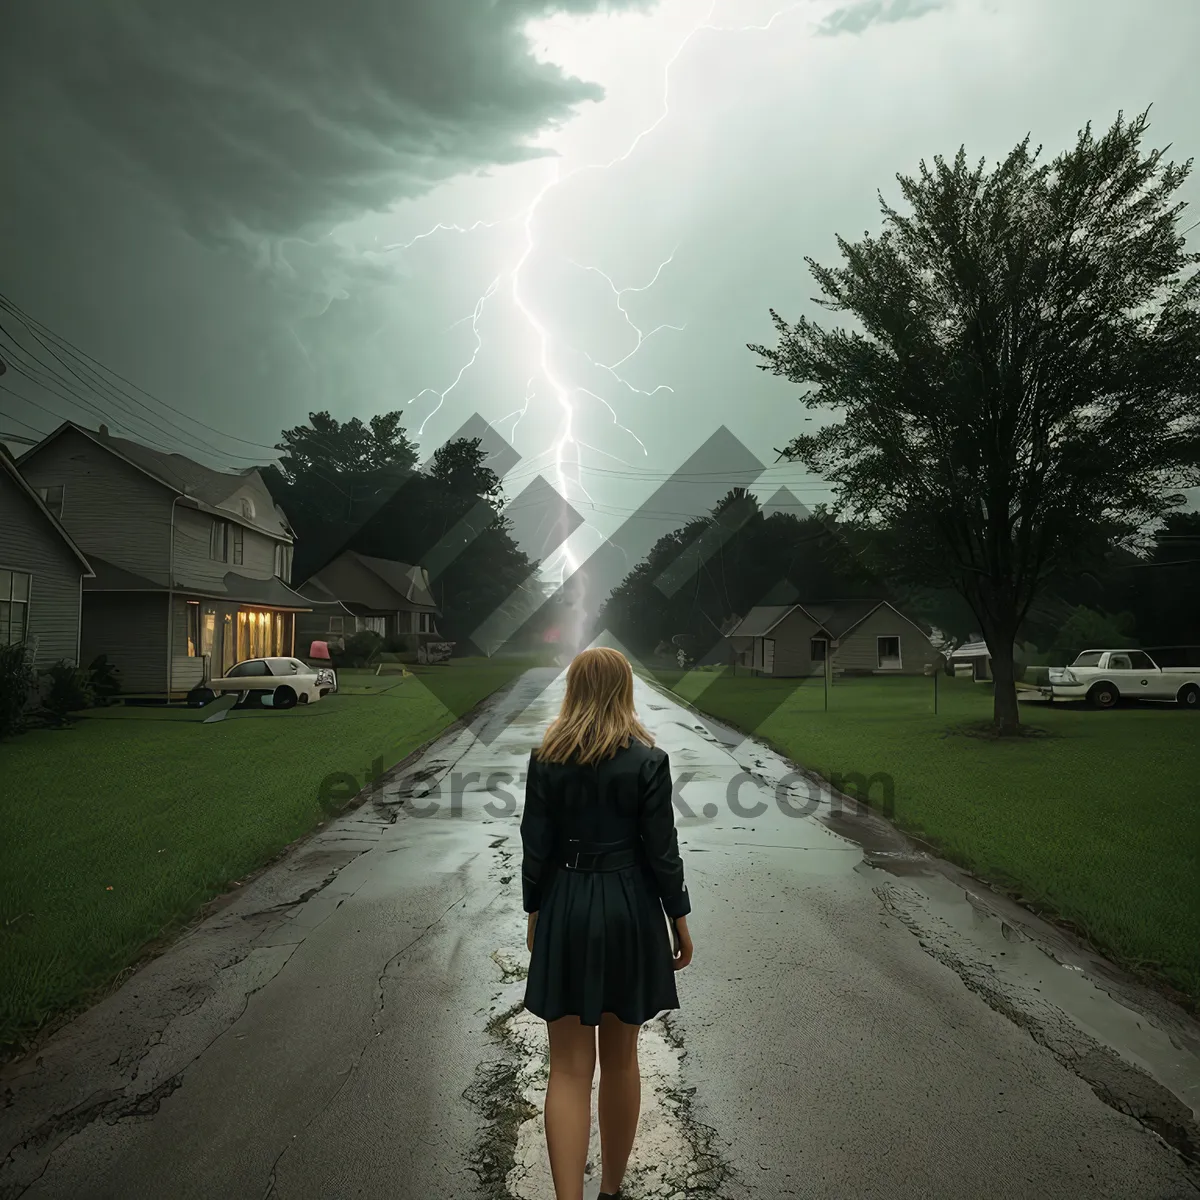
[
  {"x": 1098, "y": 824},
  {"x": 119, "y": 829}
]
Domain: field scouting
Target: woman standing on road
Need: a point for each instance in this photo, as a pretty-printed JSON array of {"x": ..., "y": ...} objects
[{"x": 601, "y": 878}]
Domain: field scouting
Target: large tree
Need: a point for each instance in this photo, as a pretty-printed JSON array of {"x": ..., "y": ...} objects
[{"x": 1026, "y": 377}]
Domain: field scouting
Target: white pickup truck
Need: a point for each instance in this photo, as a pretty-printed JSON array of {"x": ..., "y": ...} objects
[{"x": 1106, "y": 677}]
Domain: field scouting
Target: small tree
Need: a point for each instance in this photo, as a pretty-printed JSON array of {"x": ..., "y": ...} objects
[{"x": 1027, "y": 378}]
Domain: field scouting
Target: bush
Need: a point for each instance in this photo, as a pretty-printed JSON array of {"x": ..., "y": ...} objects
[
  {"x": 402, "y": 643},
  {"x": 104, "y": 679},
  {"x": 67, "y": 691},
  {"x": 17, "y": 686},
  {"x": 359, "y": 649}
]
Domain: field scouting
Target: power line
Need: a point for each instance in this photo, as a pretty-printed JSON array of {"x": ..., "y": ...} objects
[{"x": 7, "y": 303}]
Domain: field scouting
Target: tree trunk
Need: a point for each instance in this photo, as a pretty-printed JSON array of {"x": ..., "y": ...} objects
[{"x": 1005, "y": 713}]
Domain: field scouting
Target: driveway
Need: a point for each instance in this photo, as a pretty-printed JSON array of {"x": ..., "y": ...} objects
[{"x": 860, "y": 1021}]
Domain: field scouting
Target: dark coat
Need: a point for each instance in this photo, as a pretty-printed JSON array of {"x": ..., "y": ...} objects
[{"x": 626, "y": 799}]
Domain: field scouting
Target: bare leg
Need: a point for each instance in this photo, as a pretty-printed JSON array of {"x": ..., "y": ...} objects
[
  {"x": 569, "y": 1103},
  {"x": 620, "y": 1098}
]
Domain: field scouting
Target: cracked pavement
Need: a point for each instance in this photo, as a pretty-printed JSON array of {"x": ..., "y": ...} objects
[{"x": 860, "y": 1020}]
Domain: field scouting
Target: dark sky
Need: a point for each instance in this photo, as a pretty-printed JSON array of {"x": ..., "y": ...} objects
[{"x": 214, "y": 199}]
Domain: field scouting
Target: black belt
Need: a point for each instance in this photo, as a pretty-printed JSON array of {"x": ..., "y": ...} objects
[{"x": 600, "y": 860}]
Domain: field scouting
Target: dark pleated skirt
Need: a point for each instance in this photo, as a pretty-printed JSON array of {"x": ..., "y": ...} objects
[{"x": 601, "y": 944}]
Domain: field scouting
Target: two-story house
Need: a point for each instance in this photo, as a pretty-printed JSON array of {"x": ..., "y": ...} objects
[{"x": 192, "y": 566}]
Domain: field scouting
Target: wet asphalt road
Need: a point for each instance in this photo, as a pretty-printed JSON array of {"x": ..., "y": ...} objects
[{"x": 858, "y": 1021}]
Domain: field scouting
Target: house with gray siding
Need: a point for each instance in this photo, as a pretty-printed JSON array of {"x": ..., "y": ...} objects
[
  {"x": 855, "y": 637},
  {"x": 191, "y": 565},
  {"x": 41, "y": 574},
  {"x": 385, "y": 596}
]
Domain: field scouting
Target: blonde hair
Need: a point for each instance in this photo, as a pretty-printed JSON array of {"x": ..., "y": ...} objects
[{"x": 597, "y": 717}]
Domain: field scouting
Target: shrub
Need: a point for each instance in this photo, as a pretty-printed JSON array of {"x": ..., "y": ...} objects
[
  {"x": 104, "y": 679},
  {"x": 359, "y": 650},
  {"x": 67, "y": 691},
  {"x": 17, "y": 685}
]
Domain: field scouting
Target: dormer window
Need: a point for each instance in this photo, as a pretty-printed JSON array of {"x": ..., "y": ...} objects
[{"x": 247, "y": 508}]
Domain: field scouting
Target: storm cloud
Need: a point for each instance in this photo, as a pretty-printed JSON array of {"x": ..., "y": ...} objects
[{"x": 284, "y": 116}]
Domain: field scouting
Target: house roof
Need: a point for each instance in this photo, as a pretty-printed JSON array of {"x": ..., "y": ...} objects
[
  {"x": 10, "y": 469},
  {"x": 761, "y": 620},
  {"x": 972, "y": 650},
  {"x": 184, "y": 475},
  {"x": 389, "y": 585},
  {"x": 111, "y": 578},
  {"x": 407, "y": 580},
  {"x": 836, "y": 617}
]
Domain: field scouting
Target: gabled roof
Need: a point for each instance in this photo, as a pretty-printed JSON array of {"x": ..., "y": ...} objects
[
  {"x": 759, "y": 621},
  {"x": 837, "y": 618},
  {"x": 211, "y": 487},
  {"x": 408, "y": 580},
  {"x": 10, "y": 469},
  {"x": 386, "y": 584}
]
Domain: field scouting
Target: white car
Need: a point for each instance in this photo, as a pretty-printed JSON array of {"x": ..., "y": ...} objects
[
  {"x": 1106, "y": 677},
  {"x": 279, "y": 682}
]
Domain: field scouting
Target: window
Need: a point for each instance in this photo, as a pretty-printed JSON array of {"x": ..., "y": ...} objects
[
  {"x": 283, "y": 561},
  {"x": 15, "y": 587},
  {"x": 374, "y": 624},
  {"x": 218, "y": 546},
  {"x": 256, "y": 666},
  {"x": 52, "y": 497},
  {"x": 193, "y": 629},
  {"x": 426, "y": 625},
  {"x": 208, "y": 631},
  {"x": 889, "y": 652},
  {"x": 337, "y": 625},
  {"x": 247, "y": 508},
  {"x": 1120, "y": 662},
  {"x": 816, "y": 649},
  {"x": 1140, "y": 661},
  {"x": 237, "y": 531}
]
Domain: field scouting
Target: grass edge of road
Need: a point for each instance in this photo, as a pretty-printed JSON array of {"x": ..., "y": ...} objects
[
  {"x": 1178, "y": 987},
  {"x": 18, "y": 1039}
]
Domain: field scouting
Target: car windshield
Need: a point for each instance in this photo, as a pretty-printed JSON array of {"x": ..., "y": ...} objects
[{"x": 1089, "y": 658}]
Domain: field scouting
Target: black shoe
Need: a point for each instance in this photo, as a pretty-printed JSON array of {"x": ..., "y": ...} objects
[{"x": 610, "y": 1195}]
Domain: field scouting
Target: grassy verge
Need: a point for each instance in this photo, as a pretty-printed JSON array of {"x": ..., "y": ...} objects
[
  {"x": 1097, "y": 825},
  {"x": 118, "y": 830}
]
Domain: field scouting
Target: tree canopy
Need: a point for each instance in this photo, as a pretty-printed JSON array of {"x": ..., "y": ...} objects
[
  {"x": 355, "y": 486},
  {"x": 1026, "y": 379}
]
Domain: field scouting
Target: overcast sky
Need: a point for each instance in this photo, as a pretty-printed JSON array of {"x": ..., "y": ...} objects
[{"x": 214, "y": 200}]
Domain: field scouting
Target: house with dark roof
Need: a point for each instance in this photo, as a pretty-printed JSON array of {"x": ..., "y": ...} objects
[
  {"x": 191, "y": 565},
  {"x": 855, "y": 637},
  {"x": 382, "y": 595},
  {"x": 41, "y": 573}
]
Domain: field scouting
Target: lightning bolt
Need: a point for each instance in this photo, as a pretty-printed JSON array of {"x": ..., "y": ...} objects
[{"x": 566, "y": 447}]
